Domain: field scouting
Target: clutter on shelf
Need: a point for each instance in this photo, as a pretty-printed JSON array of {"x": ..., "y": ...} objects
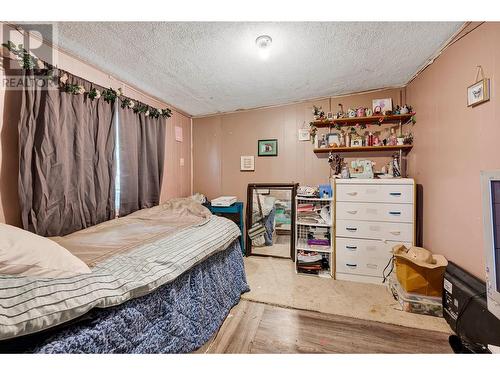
[
  {"x": 364, "y": 168},
  {"x": 350, "y": 126},
  {"x": 311, "y": 262},
  {"x": 313, "y": 213},
  {"x": 313, "y": 230},
  {"x": 308, "y": 191}
]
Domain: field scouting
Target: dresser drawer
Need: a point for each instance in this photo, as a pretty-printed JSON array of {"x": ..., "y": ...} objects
[
  {"x": 400, "y": 232},
  {"x": 374, "y": 193},
  {"x": 400, "y": 212},
  {"x": 355, "y": 247},
  {"x": 368, "y": 266}
]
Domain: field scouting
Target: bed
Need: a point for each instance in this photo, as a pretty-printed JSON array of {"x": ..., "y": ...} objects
[{"x": 163, "y": 280}]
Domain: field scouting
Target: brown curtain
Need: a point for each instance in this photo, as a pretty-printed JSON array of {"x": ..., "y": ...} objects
[
  {"x": 67, "y": 163},
  {"x": 142, "y": 155}
]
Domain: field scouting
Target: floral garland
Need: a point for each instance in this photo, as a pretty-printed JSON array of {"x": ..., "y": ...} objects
[
  {"x": 110, "y": 96},
  {"x": 29, "y": 62}
]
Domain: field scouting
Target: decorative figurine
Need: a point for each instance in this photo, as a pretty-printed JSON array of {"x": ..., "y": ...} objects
[
  {"x": 318, "y": 113},
  {"x": 360, "y": 112},
  {"x": 404, "y": 110},
  {"x": 368, "y": 112},
  {"x": 345, "y": 172},
  {"x": 396, "y": 170},
  {"x": 408, "y": 139},
  {"x": 340, "y": 113},
  {"x": 377, "y": 110},
  {"x": 351, "y": 113},
  {"x": 336, "y": 163},
  {"x": 322, "y": 143},
  {"x": 393, "y": 141}
]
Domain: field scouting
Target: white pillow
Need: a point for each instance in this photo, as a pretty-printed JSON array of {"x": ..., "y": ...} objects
[{"x": 23, "y": 253}]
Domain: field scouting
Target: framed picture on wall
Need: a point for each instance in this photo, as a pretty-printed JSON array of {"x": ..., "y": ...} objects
[
  {"x": 478, "y": 93},
  {"x": 304, "y": 135},
  {"x": 267, "y": 147},
  {"x": 247, "y": 163}
]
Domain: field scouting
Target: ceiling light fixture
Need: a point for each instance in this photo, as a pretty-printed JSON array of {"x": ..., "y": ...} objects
[{"x": 264, "y": 42}]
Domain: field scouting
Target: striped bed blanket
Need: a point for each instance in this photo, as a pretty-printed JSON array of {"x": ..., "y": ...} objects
[{"x": 29, "y": 305}]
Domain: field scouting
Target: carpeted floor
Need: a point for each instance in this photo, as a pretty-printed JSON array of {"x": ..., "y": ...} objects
[{"x": 274, "y": 281}]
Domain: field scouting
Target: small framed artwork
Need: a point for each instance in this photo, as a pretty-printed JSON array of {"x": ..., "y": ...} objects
[
  {"x": 333, "y": 139},
  {"x": 304, "y": 135},
  {"x": 382, "y": 104},
  {"x": 478, "y": 93},
  {"x": 358, "y": 142},
  {"x": 267, "y": 147},
  {"x": 247, "y": 163},
  {"x": 329, "y": 115}
]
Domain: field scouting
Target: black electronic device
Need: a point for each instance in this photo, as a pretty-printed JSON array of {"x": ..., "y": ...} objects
[{"x": 465, "y": 310}]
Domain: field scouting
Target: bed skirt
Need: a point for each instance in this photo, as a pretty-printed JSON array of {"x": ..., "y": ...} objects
[{"x": 178, "y": 317}]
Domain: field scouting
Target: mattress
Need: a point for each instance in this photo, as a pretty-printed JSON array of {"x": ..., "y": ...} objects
[
  {"x": 178, "y": 317},
  {"x": 29, "y": 305}
]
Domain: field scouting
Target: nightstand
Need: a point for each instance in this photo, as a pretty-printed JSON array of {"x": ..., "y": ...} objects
[{"x": 234, "y": 213}]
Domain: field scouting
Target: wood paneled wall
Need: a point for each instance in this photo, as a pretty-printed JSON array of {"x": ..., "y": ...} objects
[{"x": 219, "y": 141}]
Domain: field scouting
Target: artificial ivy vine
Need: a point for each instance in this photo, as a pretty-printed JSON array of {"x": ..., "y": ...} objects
[{"x": 30, "y": 62}]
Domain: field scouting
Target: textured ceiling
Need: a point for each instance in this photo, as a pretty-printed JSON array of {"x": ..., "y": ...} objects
[{"x": 209, "y": 67}]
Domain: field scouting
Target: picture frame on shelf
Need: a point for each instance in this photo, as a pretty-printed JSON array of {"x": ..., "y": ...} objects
[
  {"x": 356, "y": 142},
  {"x": 333, "y": 139},
  {"x": 383, "y": 104},
  {"x": 267, "y": 147},
  {"x": 247, "y": 163},
  {"x": 329, "y": 115},
  {"x": 478, "y": 92}
]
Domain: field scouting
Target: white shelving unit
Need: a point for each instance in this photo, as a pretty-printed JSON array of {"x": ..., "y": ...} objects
[{"x": 302, "y": 228}]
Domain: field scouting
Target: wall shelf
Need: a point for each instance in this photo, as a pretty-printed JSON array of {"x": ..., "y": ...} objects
[
  {"x": 326, "y": 150},
  {"x": 351, "y": 121}
]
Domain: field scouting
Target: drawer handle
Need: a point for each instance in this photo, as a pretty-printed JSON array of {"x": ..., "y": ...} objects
[
  {"x": 394, "y": 212},
  {"x": 351, "y": 247},
  {"x": 395, "y": 232},
  {"x": 352, "y": 193},
  {"x": 352, "y": 212},
  {"x": 395, "y": 194},
  {"x": 350, "y": 229},
  {"x": 351, "y": 265},
  {"x": 371, "y": 266}
]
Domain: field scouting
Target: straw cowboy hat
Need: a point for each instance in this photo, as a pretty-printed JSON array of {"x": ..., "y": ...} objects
[{"x": 419, "y": 256}]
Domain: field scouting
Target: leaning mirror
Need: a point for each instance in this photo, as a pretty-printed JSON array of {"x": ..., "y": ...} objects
[{"x": 271, "y": 220}]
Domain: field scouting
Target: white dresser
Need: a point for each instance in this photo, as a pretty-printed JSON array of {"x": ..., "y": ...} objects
[{"x": 371, "y": 216}]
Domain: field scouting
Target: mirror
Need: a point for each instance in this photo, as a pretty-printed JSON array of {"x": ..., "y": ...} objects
[{"x": 271, "y": 220}]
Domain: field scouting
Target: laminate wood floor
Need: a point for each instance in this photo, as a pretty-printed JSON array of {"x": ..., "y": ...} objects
[{"x": 253, "y": 327}]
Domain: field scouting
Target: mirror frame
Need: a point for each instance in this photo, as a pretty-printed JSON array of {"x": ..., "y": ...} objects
[{"x": 277, "y": 186}]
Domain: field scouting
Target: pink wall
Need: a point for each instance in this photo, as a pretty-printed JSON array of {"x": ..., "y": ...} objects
[
  {"x": 219, "y": 141},
  {"x": 453, "y": 143},
  {"x": 177, "y": 179}
]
